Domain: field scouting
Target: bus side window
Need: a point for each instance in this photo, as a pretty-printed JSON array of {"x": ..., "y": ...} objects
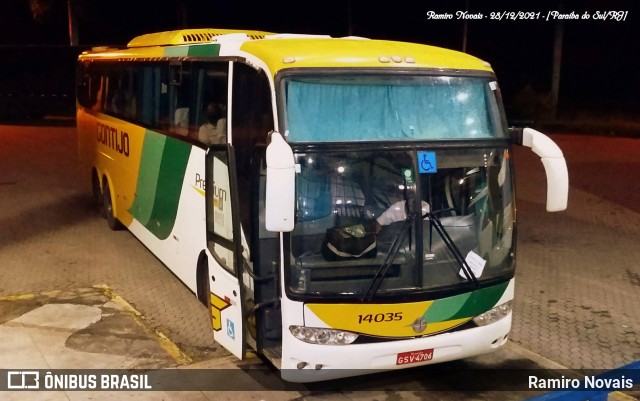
[
  {"x": 84, "y": 85},
  {"x": 153, "y": 91},
  {"x": 210, "y": 102},
  {"x": 87, "y": 84},
  {"x": 121, "y": 100},
  {"x": 101, "y": 91},
  {"x": 251, "y": 121},
  {"x": 180, "y": 114},
  {"x": 252, "y": 117}
]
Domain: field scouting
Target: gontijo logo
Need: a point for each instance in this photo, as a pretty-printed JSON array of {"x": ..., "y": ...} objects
[{"x": 109, "y": 137}]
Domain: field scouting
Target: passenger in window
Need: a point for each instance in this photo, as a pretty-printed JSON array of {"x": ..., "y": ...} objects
[
  {"x": 214, "y": 130},
  {"x": 123, "y": 102},
  {"x": 181, "y": 113},
  {"x": 181, "y": 119}
]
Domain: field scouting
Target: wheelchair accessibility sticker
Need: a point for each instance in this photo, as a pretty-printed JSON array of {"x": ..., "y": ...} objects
[
  {"x": 231, "y": 329},
  {"x": 427, "y": 162}
]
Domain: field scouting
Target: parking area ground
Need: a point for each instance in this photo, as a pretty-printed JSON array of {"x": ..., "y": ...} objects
[{"x": 577, "y": 292}]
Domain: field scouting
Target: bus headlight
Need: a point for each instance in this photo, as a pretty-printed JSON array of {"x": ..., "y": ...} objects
[
  {"x": 318, "y": 335},
  {"x": 493, "y": 315}
]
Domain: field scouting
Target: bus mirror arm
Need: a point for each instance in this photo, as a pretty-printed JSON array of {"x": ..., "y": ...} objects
[
  {"x": 255, "y": 308},
  {"x": 254, "y": 276},
  {"x": 555, "y": 165},
  {"x": 280, "y": 186}
]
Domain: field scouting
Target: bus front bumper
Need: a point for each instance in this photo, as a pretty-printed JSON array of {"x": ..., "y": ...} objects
[{"x": 303, "y": 362}]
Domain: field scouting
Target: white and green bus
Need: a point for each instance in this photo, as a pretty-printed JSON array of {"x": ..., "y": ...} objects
[{"x": 342, "y": 205}]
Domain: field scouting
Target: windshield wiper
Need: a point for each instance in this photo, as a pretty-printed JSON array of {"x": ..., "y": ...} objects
[
  {"x": 453, "y": 248},
  {"x": 397, "y": 243},
  {"x": 391, "y": 255}
]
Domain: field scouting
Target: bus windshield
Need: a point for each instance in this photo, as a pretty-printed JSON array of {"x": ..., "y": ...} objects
[
  {"x": 382, "y": 107},
  {"x": 385, "y": 223}
]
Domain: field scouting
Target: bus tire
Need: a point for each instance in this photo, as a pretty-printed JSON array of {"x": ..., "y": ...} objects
[
  {"x": 202, "y": 279},
  {"x": 98, "y": 197},
  {"x": 112, "y": 220}
]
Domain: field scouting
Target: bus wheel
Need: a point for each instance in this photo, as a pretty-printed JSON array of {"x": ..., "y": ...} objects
[
  {"x": 202, "y": 274},
  {"x": 98, "y": 197},
  {"x": 113, "y": 222}
]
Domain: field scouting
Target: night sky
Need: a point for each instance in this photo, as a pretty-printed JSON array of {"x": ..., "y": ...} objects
[{"x": 601, "y": 59}]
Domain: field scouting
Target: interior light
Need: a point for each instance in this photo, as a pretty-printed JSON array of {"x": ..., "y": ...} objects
[{"x": 462, "y": 96}]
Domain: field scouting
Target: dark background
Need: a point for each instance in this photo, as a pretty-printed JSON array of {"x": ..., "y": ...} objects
[{"x": 599, "y": 68}]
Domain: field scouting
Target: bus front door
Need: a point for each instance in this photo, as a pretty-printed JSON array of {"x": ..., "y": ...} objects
[{"x": 226, "y": 291}]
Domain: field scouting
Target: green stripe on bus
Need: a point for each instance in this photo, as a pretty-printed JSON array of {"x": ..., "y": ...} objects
[
  {"x": 162, "y": 168},
  {"x": 465, "y": 305},
  {"x": 204, "y": 50},
  {"x": 145, "y": 197},
  {"x": 180, "y": 51}
]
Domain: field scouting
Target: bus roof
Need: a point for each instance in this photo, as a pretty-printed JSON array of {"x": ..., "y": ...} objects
[
  {"x": 283, "y": 51},
  {"x": 189, "y": 36}
]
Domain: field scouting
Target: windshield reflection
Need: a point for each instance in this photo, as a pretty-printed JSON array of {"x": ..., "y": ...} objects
[{"x": 375, "y": 223}]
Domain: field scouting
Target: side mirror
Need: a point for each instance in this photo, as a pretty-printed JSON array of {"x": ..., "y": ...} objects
[
  {"x": 554, "y": 164},
  {"x": 280, "y": 186}
]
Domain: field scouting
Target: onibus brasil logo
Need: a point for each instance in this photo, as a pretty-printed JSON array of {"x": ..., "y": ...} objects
[{"x": 33, "y": 380}]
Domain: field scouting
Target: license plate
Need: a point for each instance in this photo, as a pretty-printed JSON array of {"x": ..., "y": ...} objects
[{"x": 405, "y": 358}]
